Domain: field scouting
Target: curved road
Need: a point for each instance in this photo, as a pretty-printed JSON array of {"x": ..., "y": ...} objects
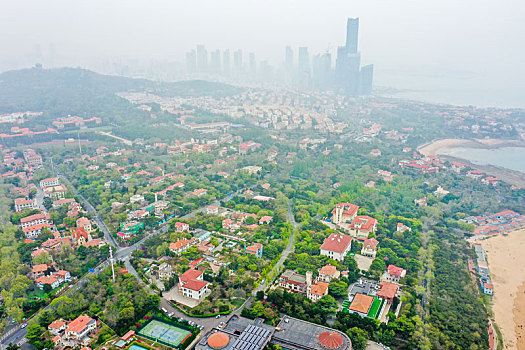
[
  {"x": 289, "y": 248},
  {"x": 100, "y": 223},
  {"x": 16, "y": 334}
]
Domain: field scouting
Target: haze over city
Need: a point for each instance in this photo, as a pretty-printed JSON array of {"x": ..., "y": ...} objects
[
  {"x": 444, "y": 51},
  {"x": 249, "y": 175}
]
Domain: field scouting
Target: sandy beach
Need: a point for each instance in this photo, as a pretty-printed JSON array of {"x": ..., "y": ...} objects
[
  {"x": 510, "y": 176},
  {"x": 505, "y": 256},
  {"x": 434, "y": 147}
]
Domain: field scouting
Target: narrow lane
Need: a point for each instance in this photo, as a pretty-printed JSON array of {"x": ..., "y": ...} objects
[{"x": 289, "y": 248}]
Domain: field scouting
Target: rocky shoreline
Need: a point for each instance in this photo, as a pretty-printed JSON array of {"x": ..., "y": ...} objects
[{"x": 509, "y": 176}]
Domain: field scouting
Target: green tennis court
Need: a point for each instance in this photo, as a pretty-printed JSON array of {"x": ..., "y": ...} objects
[
  {"x": 375, "y": 308},
  {"x": 164, "y": 333}
]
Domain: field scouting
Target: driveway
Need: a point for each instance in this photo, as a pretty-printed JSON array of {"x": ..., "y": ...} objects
[{"x": 289, "y": 248}]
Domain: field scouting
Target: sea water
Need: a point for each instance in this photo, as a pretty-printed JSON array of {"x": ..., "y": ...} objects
[{"x": 505, "y": 157}]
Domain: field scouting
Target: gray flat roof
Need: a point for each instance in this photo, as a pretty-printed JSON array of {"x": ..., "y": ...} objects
[{"x": 295, "y": 334}]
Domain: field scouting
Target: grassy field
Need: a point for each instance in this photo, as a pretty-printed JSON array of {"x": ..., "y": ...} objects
[{"x": 374, "y": 309}]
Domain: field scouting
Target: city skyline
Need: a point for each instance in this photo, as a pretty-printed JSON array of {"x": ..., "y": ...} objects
[
  {"x": 417, "y": 48},
  {"x": 315, "y": 71}
]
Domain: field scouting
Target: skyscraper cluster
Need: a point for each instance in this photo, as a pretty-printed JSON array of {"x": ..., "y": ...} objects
[
  {"x": 218, "y": 63},
  {"x": 304, "y": 72},
  {"x": 348, "y": 75}
]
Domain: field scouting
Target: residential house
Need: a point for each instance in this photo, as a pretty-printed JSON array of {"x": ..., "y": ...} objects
[
  {"x": 375, "y": 152},
  {"x": 181, "y": 226},
  {"x": 370, "y": 247},
  {"x": 490, "y": 180},
  {"x": 22, "y": 204},
  {"x": 165, "y": 271},
  {"x": 265, "y": 219},
  {"x": 402, "y": 227},
  {"x": 52, "y": 243},
  {"x": 317, "y": 290},
  {"x": 137, "y": 198},
  {"x": 421, "y": 202},
  {"x": 51, "y": 280},
  {"x": 387, "y": 291},
  {"x": 362, "y": 226},
  {"x": 229, "y": 224},
  {"x": 212, "y": 209},
  {"x": 200, "y": 192},
  {"x": 252, "y": 169},
  {"x": 457, "y": 167},
  {"x": 393, "y": 274},
  {"x": 35, "y": 230},
  {"x": 327, "y": 273},
  {"x": 63, "y": 275},
  {"x": 361, "y": 304},
  {"x": 55, "y": 192},
  {"x": 344, "y": 213},
  {"x": 39, "y": 270},
  {"x": 255, "y": 249},
  {"x": 57, "y": 326},
  {"x": 475, "y": 174},
  {"x": 336, "y": 246},
  {"x": 96, "y": 243},
  {"x": 35, "y": 219},
  {"x": 52, "y": 181},
  {"x": 487, "y": 288},
  {"x": 180, "y": 246},
  {"x": 85, "y": 224},
  {"x": 80, "y": 236},
  {"x": 80, "y": 327},
  {"x": 65, "y": 201},
  {"x": 192, "y": 284},
  {"x": 292, "y": 281}
]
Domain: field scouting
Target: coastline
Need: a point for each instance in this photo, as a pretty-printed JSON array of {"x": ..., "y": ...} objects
[
  {"x": 504, "y": 254},
  {"x": 509, "y": 176},
  {"x": 433, "y": 148}
]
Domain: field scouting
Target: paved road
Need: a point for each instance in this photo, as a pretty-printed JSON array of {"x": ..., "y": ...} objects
[
  {"x": 15, "y": 336},
  {"x": 100, "y": 223},
  {"x": 126, "y": 142},
  {"x": 122, "y": 253},
  {"x": 289, "y": 248}
]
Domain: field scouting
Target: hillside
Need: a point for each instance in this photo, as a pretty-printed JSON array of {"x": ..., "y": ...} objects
[{"x": 78, "y": 91}]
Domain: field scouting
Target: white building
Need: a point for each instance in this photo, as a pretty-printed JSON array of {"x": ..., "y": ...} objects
[
  {"x": 52, "y": 181},
  {"x": 192, "y": 284},
  {"x": 336, "y": 246}
]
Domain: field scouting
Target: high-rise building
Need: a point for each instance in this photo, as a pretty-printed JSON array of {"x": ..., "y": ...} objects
[
  {"x": 365, "y": 79},
  {"x": 202, "y": 59},
  {"x": 348, "y": 61},
  {"x": 215, "y": 66},
  {"x": 303, "y": 67},
  {"x": 288, "y": 63},
  {"x": 322, "y": 71},
  {"x": 352, "y": 33},
  {"x": 253, "y": 65},
  {"x": 266, "y": 72},
  {"x": 191, "y": 61},
  {"x": 237, "y": 61},
  {"x": 226, "y": 67}
]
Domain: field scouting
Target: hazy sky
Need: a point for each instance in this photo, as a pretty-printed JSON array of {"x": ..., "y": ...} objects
[{"x": 422, "y": 39}]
